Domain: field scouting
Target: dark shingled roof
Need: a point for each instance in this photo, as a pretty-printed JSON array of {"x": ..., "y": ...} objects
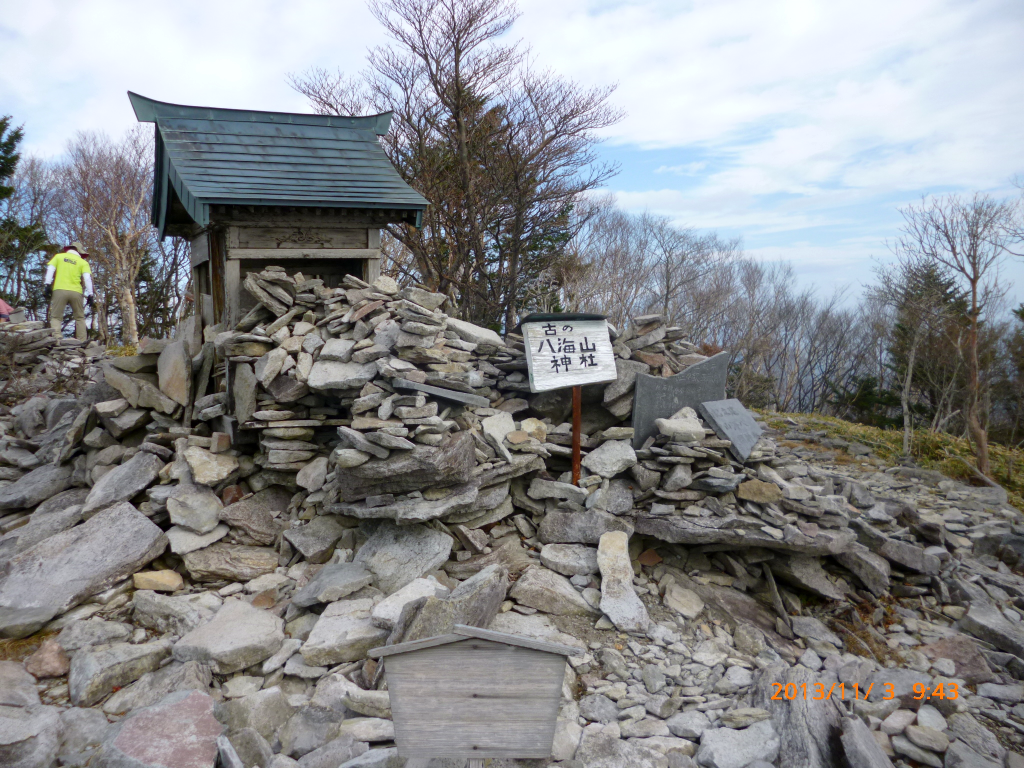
[{"x": 207, "y": 156}]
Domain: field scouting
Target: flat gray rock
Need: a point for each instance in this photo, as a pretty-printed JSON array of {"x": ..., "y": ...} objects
[
  {"x": 64, "y": 570},
  {"x": 37, "y": 486},
  {"x": 549, "y": 592},
  {"x": 610, "y": 458},
  {"x": 344, "y": 632},
  {"x": 54, "y": 515},
  {"x": 235, "y": 562},
  {"x": 98, "y": 671},
  {"x": 569, "y": 559},
  {"x": 579, "y": 527},
  {"x": 333, "y": 582},
  {"x": 329, "y": 374},
  {"x": 728, "y": 748},
  {"x": 655, "y": 397},
  {"x": 398, "y": 554},
  {"x": 451, "y": 463},
  {"x": 154, "y": 686},
  {"x": 619, "y": 600},
  {"x": 316, "y": 539},
  {"x": 17, "y": 687},
  {"x": 173, "y": 614},
  {"x": 124, "y": 482},
  {"x": 601, "y": 750},
  {"x": 257, "y": 514},
  {"x": 475, "y": 602},
  {"x": 93, "y": 631},
  {"x": 29, "y": 736},
  {"x": 808, "y": 727},
  {"x": 182, "y": 540},
  {"x": 237, "y": 637},
  {"x": 194, "y": 507},
  {"x": 388, "y": 611}
]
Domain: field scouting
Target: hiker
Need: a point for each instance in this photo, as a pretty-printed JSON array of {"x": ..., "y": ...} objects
[{"x": 68, "y": 279}]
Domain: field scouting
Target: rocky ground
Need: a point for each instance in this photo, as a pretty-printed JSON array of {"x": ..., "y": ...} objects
[{"x": 175, "y": 599}]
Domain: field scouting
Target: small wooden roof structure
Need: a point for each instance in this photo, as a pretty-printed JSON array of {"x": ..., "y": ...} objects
[
  {"x": 462, "y": 632},
  {"x": 210, "y": 156}
]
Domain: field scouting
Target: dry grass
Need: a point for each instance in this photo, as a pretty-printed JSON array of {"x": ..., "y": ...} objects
[
  {"x": 125, "y": 350},
  {"x": 19, "y": 650},
  {"x": 931, "y": 450}
]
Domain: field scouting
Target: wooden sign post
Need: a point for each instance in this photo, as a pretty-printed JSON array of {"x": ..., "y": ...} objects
[{"x": 568, "y": 350}]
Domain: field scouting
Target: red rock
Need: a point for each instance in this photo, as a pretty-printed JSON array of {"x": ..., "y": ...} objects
[
  {"x": 650, "y": 358},
  {"x": 49, "y": 661},
  {"x": 964, "y": 652},
  {"x": 649, "y": 557},
  {"x": 231, "y": 494},
  {"x": 265, "y": 599},
  {"x": 179, "y": 731}
]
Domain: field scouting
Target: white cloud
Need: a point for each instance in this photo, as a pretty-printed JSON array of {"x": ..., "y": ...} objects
[
  {"x": 797, "y": 123},
  {"x": 67, "y": 64},
  {"x": 795, "y": 96}
]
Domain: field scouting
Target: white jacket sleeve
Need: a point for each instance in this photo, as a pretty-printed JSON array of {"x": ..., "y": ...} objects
[
  {"x": 87, "y": 281},
  {"x": 50, "y": 272}
]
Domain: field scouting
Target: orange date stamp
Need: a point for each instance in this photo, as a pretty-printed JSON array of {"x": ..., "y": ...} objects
[{"x": 818, "y": 691}]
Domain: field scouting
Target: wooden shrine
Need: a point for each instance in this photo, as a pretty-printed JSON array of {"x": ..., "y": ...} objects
[
  {"x": 475, "y": 693},
  {"x": 253, "y": 189}
]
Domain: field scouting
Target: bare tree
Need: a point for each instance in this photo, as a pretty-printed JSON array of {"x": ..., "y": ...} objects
[
  {"x": 503, "y": 152},
  {"x": 103, "y": 197},
  {"x": 969, "y": 237}
]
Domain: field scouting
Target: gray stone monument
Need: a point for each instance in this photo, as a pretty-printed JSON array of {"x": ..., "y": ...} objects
[
  {"x": 732, "y": 421},
  {"x": 658, "y": 398}
]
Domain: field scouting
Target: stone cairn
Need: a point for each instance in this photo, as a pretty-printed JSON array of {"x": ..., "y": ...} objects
[
  {"x": 392, "y": 477},
  {"x": 35, "y": 349}
]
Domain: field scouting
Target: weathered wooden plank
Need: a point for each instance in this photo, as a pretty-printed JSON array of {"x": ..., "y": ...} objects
[
  {"x": 415, "y": 645},
  {"x": 475, "y": 698},
  {"x": 303, "y": 237},
  {"x": 518, "y": 640},
  {"x": 303, "y": 253}
]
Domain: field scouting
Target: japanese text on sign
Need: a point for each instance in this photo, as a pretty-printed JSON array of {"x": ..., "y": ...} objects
[{"x": 568, "y": 353}]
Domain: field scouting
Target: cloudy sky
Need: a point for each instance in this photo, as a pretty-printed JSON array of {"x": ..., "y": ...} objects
[{"x": 799, "y": 125}]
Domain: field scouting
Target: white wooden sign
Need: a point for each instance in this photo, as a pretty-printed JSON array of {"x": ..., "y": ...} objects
[{"x": 567, "y": 353}]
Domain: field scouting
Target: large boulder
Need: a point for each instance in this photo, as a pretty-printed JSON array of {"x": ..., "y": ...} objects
[
  {"x": 62, "y": 571},
  {"x": 450, "y": 463},
  {"x": 237, "y": 637}
]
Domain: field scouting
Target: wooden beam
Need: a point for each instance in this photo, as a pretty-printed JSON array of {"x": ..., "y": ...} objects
[{"x": 304, "y": 253}]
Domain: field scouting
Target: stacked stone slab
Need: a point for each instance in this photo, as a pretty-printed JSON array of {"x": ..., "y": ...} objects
[
  {"x": 391, "y": 476},
  {"x": 34, "y": 349}
]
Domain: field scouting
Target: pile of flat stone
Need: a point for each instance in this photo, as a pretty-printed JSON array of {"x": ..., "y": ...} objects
[
  {"x": 34, "y": 349},
  {"x": 390, "y": 475}
]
